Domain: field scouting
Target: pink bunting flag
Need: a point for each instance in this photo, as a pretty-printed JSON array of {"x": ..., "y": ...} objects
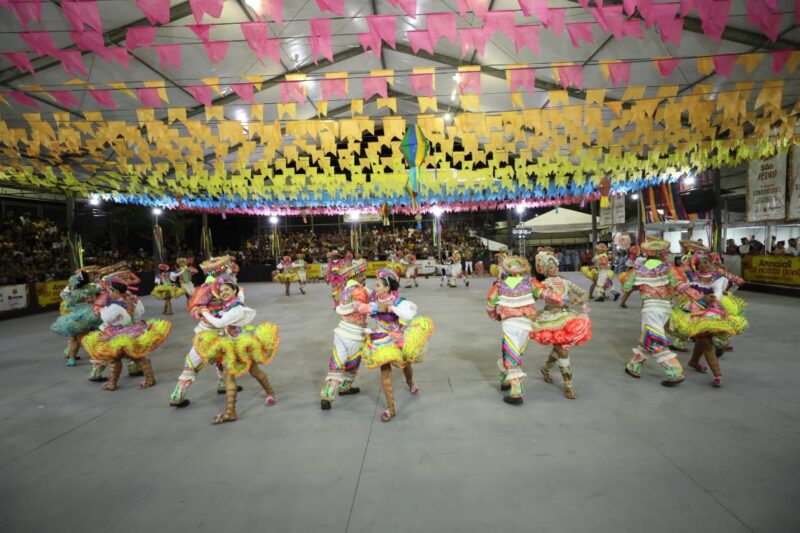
[
  {"x": 375, "y": 85},
  {"x": 632, "y": 28},
  {"x": 659, "y": 12},
  {"x": 422, "y": 84},
  {"x": 81, "y": 13},
  {"x": 469, "y": 82},
  {"x": 20, "y": 60},
  {"x": 537, "y": 7},
  {"x": 760, "y": 13},
  {"x": 169, "y": 55},
  {"x": 202, "y": 31},
  {"x": 149, "y": 96},
  {"x": 244, "y": 91},
  {"x": 72, "y": 61},
  {"x": 667, "y": 66},
  {"x": 620, "y": 73},
  {"x": 384, "y": 27},
  {"x": 571, "y": 75},
  {"x": 23, "y": 98},
  {"x": 715, "y": 19},
  {"x": 580, "y": 31},
  {"x": 334, "y": 6},
  {"x": 140, "y": 36},
  {"x": 723, "y": 64},
  {"x": 556, "y": 20},
  {"x": 334, "y": 87},
  {"x": 91, "y": 41},
  {"x": 671, "y": 30},
  {"x": 408, "y": 6},
  {"x": 500, "y": 20},
  {"x": 27, "y": 10},
  {"x": 201, "y": 93},
  {"x": 479, "y": 7},
  {"x": 201, "y": 7},
  {"x": 779, "y": 59},
  {"x": 321, "y": 39},
  {"x": 65, "y": 98},
  {"x": 473, "y": 38},
  {"x": 629, "y": 6},
  {"x": 442, "y": 25},
  {"x": 255, "y": 33},
  {"x": 41, "y": 42},
  {"x": 103, "y": 97},
  {"x": 522, "y": 77},
  {"x": 610, "y": 19},
  {"x": 292, "y": 91},
  {"x": 420, "y": 40},
  {"x": 216, "y": 50},
  {"x": 584, "y": 4},
  {"x": 370, "y": 42},
  {"x": 156, "y": 11},
  {"x": 272, "y": 8},
  {"x": 117, "y": 55},
  {"x": 527, "y": 36},
  {"x": 797, "y": 11}
]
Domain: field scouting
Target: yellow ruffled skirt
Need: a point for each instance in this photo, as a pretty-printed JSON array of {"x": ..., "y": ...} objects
[
  {"x": 135, "y": 341},
  {"x": 252, "y": 345},
  {"x": 162, "y": 292}
]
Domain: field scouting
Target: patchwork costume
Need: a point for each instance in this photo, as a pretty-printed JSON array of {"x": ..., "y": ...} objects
[
  {"x": 348, "y": 337},
  {"x": 182, "y": 275},
  {"x": 601, "y": 274},
  {"x": 287, "y": 275},
  {"x": 165, "y": 289},
  {"x": 557, "y": 325},
  {"x": 657, "y": 282},
  {"x": 409, "y": 263},
  {"x": 400, "y": 338}
]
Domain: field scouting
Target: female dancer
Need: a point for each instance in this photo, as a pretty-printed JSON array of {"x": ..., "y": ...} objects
[
  {"x": 286, "y": 274},
  {"x": 165, "y": 289},
  {"x": 183, "y": 276},
  {"x": 225, "y": 337},
  {"x": 400, "y": 339},
  {"x": 558, "y": 325},
  {"x": 712, "y": 320},
  {"x": 125, "y": 334},
  {"x": 601, "y": 275},
  {"x": 299, "y": 266},
  {"x": 77, "y": 313}
]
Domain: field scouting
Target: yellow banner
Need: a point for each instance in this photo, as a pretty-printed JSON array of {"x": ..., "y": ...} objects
[
  {"x": 314, "y": 270},
  {"x": 374, "y": 266},
  {"x": 772, "y": 269},
  {"x": 48, "y": 293}
]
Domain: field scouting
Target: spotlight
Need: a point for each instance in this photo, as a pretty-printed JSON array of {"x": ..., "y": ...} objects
[
  {"x": 635, "y": 196},
  {"x": 157, "y": 211},
  {"x": 519, "y": 208},
  {"x": 437, "y": 211},
  {"x": 354, "y": 216},
  {"x": 94, "y": 200},
  {"x": 273, "y": 220},
  {"x": 689, "y": 180},
  {"x": 447, "y": 117}
]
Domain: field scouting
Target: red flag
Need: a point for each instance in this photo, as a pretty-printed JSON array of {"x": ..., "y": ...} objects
[{"x": 169, "y": 54}]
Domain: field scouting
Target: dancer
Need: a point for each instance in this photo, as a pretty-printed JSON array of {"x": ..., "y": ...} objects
[
  {"x": 400, "y": 338},
  {"x": 409, "y": 263},
  {"x": 165, "y": 288},
  {"x": 77, "y": 312},
  {"x": 657, "y": 282},
  {"x": 495, "y": 269},
  {"x": 224, "y": 337},
  {"x": 299, "y": 266},
  {"x": 634, "y": 258},
  {"x": 456, "y": 272},
  {"x": 203, "y": 298},
  {"x": 334, "y": 276},
  {"x": 348, "y": 337},
  {"x": 124, "y": 334},
  {"x": 396, "y": 263},
  {"x": 601, "y": 275},
  {"x": 511, "y": 300},
  {"x": 183, "y": 276},
  {"x": 711, "y": 321},
  {"x": 287, "y": 274},
  {"x": 558, "y": 325}
]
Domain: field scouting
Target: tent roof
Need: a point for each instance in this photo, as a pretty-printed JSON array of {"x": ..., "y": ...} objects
[
  {"x": 493, "y": 246},
  {"x": 560, "y": 220}
]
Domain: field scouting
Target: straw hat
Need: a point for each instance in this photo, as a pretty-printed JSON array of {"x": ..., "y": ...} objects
[
  {"x": 514, "y": 265},
  {"x": 655, "y": 246},
  {"x": 542, "y": 259},
  {"x": 357, "y": 267}
]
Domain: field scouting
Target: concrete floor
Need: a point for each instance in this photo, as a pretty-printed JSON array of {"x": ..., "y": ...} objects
[{"x": 627, "y": 455}]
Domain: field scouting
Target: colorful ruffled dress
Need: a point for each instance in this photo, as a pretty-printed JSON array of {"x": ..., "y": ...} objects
[
  {"x": 77, "y": 312},
  {"x": 722, "y": 319},
  {"x": 166, "y": 289},
  {"x": 227, "y": 337},
  {"x": 399, "y": 338},
  {"x": 287, "y": 273},
  {"x": 124, "y": 333},
  {"x": 557, "y": 324}
]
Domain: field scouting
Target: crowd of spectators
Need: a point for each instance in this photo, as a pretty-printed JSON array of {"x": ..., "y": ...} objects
[
  {"x": 752, "y": 246},
  {"x": 32, "y": 249}
]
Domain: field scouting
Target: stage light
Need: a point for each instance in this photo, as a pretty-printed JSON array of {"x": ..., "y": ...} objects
[
  {"x": 354, "y": 216},
  {"x": 634, "y": 196},
  {"x": 437, "y": 211},
  {"x": 273, "y": 220},
  {"x": 519, "y": 208},
  {"x": 157, "y": 211},
  {"x": 94, "y": 200},
  {"x": 689, "y": 180}
]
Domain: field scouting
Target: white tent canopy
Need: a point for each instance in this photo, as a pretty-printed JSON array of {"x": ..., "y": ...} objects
[
  {"x": 493, "y": 246},
  {"x": 560, "y": 220}
]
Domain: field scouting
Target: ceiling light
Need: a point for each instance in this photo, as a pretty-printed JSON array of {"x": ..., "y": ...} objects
[
  {"x": 273, "y": 220},
  {"x": 519, "y": 208},
  {"x": 635, "y": 196},
  {"x": 157, "y": 211},
  {"x": 437, "y": 211},
  {"x": 94, "y": 200}
]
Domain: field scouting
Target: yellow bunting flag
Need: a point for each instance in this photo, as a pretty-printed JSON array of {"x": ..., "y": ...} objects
[
  {"x": 750, "y": 61},
  {"x": 391, "y": 103},
  {"x": 357, "y": 106},
  {"x": 120, "y": 86},
  {"x": 176, "y": 113},
  {"x": 705, "y": 65},
  {"x": 634, "y": 92},
  {"x": 288, "y": 109},
  {"x": 257, "y": 112},
  {"x": 427, "y": 103},
  {"x": 322, "y": 108},
  {"x": 558, "y": 97},
  {"x": 595, "y": 96},
  {"x": 160, "y": 89},
  {"x": 215, "y": 112},
  {"x": 516, "y": 100},
  {"x": 213, "y": 82}
]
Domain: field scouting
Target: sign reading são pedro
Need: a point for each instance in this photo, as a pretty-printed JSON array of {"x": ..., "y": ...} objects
[{"x": 772, "y": 269}]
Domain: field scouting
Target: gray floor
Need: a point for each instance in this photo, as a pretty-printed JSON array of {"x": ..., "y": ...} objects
[{"x": 627, "y": 455}]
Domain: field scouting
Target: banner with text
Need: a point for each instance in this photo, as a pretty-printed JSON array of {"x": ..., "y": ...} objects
[
  {"x": 766, "y": 189},
  {"x": 793, "y": 187},
  {"x": 772, "y": 269},
  {"x": 13, "y": 297},
  {"x": 48, "y": 293}
]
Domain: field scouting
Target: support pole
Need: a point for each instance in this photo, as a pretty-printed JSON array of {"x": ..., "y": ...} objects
[
  {"x": 204, "y": 232},
  {"x": 716, "y": 228},
  {"x": 594, "y": 224},
  {"x": 509, "y": 234},
  {"x": 71, "y": 234}
]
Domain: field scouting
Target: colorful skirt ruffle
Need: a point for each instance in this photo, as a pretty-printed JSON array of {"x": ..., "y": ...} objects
[
  {"x": 408, "y": 348},
  {"x": 689, "y": 324},
  {"x": 283, "y": 278},
  {"x": 624, "y": 276},
  {"x": 494, "y": 270},
  {"x": 162, "y": 292},
  {"x": 135, "y": 341},
  {"x": 399, "y": 268},
  {"x": 80, "y": 319},
  {"x": 252, "y": 345},
  {"x": 569, "y": 329}
]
